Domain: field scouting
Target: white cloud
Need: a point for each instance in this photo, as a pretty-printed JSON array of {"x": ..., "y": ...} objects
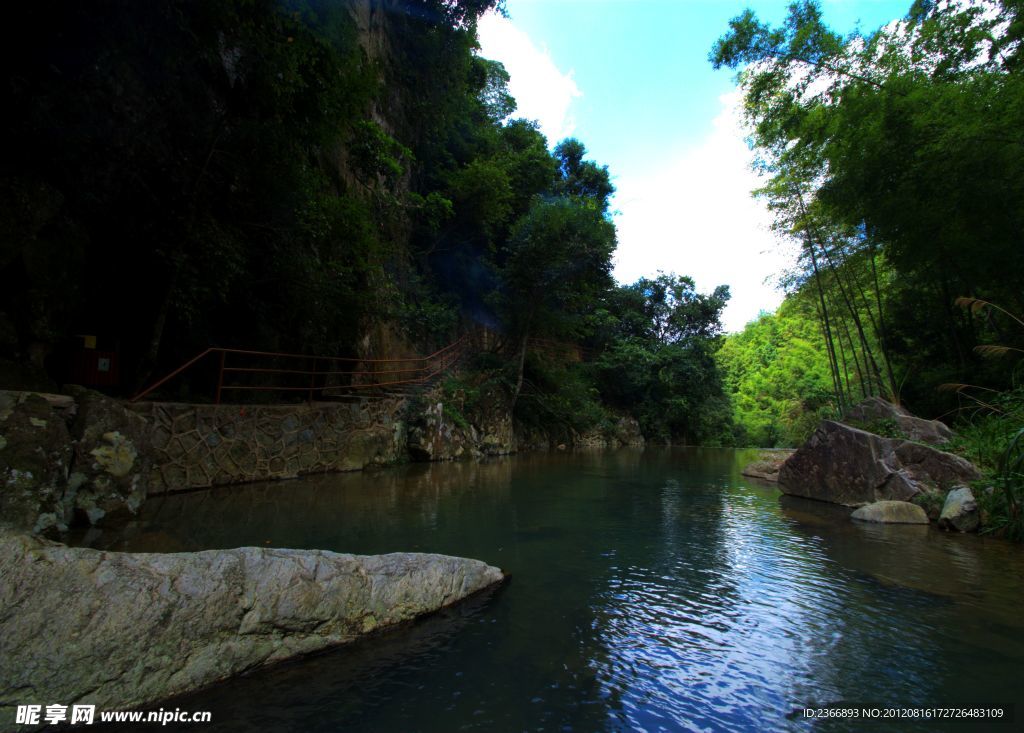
[
  {"x": 694, "y": 215},
  {"x": 691, "y": 213},
  {"x": 542, "y": 91}
]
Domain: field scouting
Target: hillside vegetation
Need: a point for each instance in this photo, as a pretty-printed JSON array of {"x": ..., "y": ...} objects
[{"x": 894, "y": 160}]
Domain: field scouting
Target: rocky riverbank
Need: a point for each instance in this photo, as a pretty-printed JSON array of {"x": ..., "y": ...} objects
[
  {"x": 87, "y": 459},
  {"x": 126, "y": 630}
]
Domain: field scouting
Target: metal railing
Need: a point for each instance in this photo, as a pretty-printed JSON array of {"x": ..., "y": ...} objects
[{"x": 320, "y": 375}]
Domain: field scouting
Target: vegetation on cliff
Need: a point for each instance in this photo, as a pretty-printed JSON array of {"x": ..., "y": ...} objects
[{"x": 291, "y": 176}]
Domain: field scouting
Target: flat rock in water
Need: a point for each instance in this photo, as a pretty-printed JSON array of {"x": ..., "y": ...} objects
[
  {"x": 767, "y": 467},
  {"x": 124, "y": 630},
  {"x": 891, "y": 512},
  {"x": 760, "y": 471}
]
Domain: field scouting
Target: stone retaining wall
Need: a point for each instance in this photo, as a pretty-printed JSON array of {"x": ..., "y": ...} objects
[
  {"x": 86, "y": 457},
  {"x": 83, "y": 457},
  {"x": 196, "y": 446}
]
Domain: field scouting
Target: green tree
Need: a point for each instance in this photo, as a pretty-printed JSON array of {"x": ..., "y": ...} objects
[
  {"x": 557, "y": 262},
  {"x": 777, "y": 377},
  {"x": 658, "y": 338}
]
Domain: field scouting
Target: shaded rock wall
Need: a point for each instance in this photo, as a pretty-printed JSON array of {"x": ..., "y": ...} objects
[
  {"x": 135, "y": 628},
  {"x": 444, "y": 428},
  {"x": 35, "y": 456},
  {"x": 62, "y": 456},
  {"x": 112, "y": 461},
  {"x": 624, "y": 433}
]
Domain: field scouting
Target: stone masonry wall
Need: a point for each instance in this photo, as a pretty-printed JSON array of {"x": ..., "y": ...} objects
[
  {"x": 85, "y": 458},
  {"x": 197, "y": 446}
]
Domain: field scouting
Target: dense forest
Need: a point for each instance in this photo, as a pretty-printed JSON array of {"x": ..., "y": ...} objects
[
  {"x": 349, "y": 179},
  {"x": 320, "y": 177}
]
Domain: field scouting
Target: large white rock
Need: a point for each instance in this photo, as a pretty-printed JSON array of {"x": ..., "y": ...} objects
[{"x": 123, "y": 630}]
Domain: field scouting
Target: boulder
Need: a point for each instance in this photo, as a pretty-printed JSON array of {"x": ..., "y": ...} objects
[
  {"x": 891, "y": 512},
  {"x": 439, "y": 434},
  {"x": 627, "y": 432},
  {"x": 875, "y": 410},
  {"x": 960, "y": 511},
  {"x": 124, "y": 630},
  {"x": 65, "y": 455},
  {"x": 35, "y": 457},
  {"x": 849, "y": 466},
  {"x": 767, "y": 467},
  {"x": 623, "y": 433}
]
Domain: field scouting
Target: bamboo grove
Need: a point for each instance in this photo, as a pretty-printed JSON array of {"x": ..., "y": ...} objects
[{"x": 893, "y": 162}]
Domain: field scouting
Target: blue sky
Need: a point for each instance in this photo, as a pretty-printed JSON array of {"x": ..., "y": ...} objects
[{"x": 631, "y": 80}]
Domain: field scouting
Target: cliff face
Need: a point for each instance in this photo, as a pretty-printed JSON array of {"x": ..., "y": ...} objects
[{"x": 239, "y": 173}]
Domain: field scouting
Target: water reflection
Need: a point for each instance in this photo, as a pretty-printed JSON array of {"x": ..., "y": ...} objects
[
  {"x": 932, "y": 618},
  {"x": 323, "y": 511},
  {"x": 653, "y": 590}
]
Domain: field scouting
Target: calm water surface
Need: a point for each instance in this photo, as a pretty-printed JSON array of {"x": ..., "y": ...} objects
[{"x": 651, "y": 590}]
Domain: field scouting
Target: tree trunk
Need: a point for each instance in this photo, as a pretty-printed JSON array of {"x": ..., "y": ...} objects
[
  {"x": 519, "y": 370},
  {"x": 149, "y": 360},
  {"x": 827, "y": 326},
  {"x": 869, "y": 358}
]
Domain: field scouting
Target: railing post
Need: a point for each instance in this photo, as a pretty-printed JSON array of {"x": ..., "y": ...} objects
[
  {"x": 312, "y": 380},
  {"x": 220, "y": 378}
]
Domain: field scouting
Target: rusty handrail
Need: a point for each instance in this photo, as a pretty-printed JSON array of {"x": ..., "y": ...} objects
[
  {"x": 172, "y": 375},
  {"x": 446, "y": 355},
  {"x": 355, "y": 359},
  {"x": 307, "y": 372}
]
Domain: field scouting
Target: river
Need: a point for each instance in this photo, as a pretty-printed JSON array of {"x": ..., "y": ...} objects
[{"x": 651, "y": 590}]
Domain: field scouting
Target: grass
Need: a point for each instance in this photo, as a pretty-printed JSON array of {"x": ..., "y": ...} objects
[
  {"x": 993, "y": 439},
  {"x": 931, "y": 502},
  {"x": 1005, "y": 502},
  {"x": 993, "y": 436}
]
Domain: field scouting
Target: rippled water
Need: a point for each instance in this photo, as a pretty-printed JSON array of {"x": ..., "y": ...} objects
[{"x": 651, "y": 590}]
